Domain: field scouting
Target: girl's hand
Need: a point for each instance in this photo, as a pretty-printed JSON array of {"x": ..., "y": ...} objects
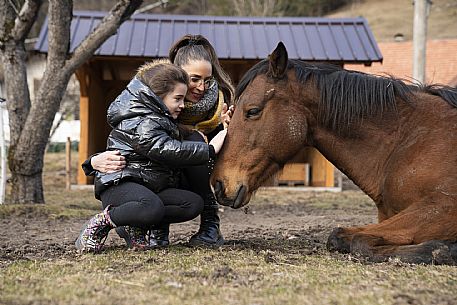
[
  {"x": 108, "y": 161},
  {"x": 218, "y": 140},
  {"x": 226, "y": 114}
]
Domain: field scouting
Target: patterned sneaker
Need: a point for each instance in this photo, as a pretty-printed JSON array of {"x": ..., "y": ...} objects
[
  {"x": 94, "y": 233},
  {"x": 127, "y": 233},
  {"x": 138, "y": 239}
]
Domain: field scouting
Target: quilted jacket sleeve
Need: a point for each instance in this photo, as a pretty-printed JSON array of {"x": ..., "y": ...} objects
[
  {"x": 155, "y": 142},
  {"x": 87, "y": 166}
]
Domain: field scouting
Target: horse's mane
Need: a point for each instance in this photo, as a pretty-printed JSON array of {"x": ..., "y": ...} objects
[{"x": 349, "y": 96}]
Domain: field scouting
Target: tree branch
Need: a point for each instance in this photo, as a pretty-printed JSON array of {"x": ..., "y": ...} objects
[
  {"x": 13, "y": 6},
  {"x": 7, "y": 16},
  {"x": 59, "y": 20},
  {"x": 26, "y": 18},
  {"x": 107, "y": 27}
]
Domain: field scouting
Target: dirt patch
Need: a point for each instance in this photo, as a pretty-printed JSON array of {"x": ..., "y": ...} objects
[{"x": 285, "y": 221}]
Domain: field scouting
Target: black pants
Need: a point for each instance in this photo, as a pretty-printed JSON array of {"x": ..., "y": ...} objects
[
  {"x": 196, "y": 178},
  {"x": 135, "y": 205}
]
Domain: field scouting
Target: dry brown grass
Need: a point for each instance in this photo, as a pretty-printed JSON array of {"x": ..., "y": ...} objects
[
  {"x": 181, "y": 275},
  {"x": 389, "y": 17}
]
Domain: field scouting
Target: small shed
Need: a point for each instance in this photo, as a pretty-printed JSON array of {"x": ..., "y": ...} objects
[{"x": 240, "y": 42}]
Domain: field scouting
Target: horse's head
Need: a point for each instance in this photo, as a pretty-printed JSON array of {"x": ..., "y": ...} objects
[{"x": 268, "y": 128}]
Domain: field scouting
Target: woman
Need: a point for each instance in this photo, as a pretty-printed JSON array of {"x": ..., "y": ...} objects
[
  {"x": 146, "y": 191},
  {"x": 205, "y": 113}
]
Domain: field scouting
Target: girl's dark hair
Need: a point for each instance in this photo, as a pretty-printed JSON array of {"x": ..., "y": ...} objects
[
  {"x": 196, "y": 47},
  {"x": 161, "y": 76}
]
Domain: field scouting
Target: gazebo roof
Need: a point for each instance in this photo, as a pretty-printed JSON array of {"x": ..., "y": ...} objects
[{"x": 306, "y": 38}]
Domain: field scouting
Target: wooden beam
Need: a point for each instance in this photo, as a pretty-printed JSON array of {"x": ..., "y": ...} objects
[
  {"x": 83, "y": 150},
  {"x": 322, "y": 171},
  {"x": 82, "y": 74},
  {"x": 329, "y": 174}
]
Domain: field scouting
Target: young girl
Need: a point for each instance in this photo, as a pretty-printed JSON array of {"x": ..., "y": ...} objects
[
  {"x": 146, "y": 191},
  {"x": 209, "y": 92}
]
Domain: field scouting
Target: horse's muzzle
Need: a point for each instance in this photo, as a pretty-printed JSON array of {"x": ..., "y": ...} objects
[{"x": 235, "y": 202}]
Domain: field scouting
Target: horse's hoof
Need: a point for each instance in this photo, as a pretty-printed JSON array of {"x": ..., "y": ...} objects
[
  {"x": 453, "y": 250},
  {"x": 442, "y": 252},
  {"x": 363, "y": 245},
  {"x": 337, "y": 242}
]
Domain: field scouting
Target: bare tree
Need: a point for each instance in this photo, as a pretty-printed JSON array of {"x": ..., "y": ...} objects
[
  {"x": 257, "y": 7},
  {"x": 30, "y": 123}
]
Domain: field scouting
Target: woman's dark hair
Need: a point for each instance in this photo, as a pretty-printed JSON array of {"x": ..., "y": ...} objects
[
  {"x": 196, "y": 47},
  {"x": 161, "y": 76}
]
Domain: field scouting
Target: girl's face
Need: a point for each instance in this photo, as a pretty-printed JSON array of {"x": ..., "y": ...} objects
[
  {"x": 200, "y": 74},
  {"x": 174, "y": 100}
]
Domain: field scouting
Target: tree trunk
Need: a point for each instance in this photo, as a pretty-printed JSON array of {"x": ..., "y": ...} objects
[
  {"x": 28, "y": 155},
  {"x": 26, "y": 185},
  {"x": 30, "y": 123},
  {"x": 26, "y": 189}
]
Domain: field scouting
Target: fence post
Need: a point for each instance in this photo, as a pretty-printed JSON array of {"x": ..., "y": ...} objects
[{"x": 68, "y": 164}]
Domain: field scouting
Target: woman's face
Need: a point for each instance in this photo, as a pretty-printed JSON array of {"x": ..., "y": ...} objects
[
  {"x": 199, "y": 71},
  {"x": 174, "y": 100}
]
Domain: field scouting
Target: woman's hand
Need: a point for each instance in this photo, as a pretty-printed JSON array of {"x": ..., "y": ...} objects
[
  {"x": 218, "y": 140},
  {"x": 226, "y": 114},
  {"x": 108, "y": 161}
]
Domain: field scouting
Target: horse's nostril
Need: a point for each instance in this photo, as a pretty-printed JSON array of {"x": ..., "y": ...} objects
[
  {"x": 218, "y": 188},
  {"x": 239, "y": 197}
]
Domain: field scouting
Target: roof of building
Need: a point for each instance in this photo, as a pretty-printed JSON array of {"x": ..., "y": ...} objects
[
  {"x": 306, "y": 38},
  {"x": 440, "y": 62}
]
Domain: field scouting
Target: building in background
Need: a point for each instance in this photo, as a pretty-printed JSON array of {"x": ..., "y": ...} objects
[{"x": 441, "y": 61}]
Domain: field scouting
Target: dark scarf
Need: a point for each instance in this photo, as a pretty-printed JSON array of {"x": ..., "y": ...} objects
[{"x": 194, "y": 113}]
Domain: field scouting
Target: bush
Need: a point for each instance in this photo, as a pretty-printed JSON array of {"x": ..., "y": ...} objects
[{"x": 60, "y": 146}]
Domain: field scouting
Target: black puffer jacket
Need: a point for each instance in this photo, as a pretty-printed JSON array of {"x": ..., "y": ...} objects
[{"x": 147, "y": 136}]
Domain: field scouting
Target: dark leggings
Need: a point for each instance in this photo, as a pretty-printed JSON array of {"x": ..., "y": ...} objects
[
  {"x": 135, "y": 205},
  {"x": 196, "y": 178}
]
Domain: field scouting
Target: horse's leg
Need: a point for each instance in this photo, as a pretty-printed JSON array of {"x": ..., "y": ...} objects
[
  {"x": 428, "y": 252},
  {"x": 416, "y": 235},
  {"x": 340, "y": 239}
]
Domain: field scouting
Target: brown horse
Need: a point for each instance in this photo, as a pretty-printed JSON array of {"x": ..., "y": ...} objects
[{"x": 396, "y": 141}]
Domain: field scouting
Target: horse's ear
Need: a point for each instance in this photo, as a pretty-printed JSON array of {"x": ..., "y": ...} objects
[{"x": 278, "y": 61}]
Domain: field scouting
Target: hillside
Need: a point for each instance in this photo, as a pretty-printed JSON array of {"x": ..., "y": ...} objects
[{"x": 389, "y": 17}]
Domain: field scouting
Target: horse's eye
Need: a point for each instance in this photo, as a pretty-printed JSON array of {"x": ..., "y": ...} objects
[{"x": 253, "y": 112}]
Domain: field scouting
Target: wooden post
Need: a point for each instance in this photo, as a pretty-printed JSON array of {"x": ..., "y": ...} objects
[
  {"x": 68, "y": 164},
  {"x": 421, "y": 11},
  {"x": 329, "y": 174}
]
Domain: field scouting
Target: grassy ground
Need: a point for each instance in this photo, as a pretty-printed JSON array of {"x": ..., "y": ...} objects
[
  {"x": 230, "y": 276},
  {"x": 275, "y": 254}
]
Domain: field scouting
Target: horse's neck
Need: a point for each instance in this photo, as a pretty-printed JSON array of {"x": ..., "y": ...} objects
[{"x": 362, "y": 156}]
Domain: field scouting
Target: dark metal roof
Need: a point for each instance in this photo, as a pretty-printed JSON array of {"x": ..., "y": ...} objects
[{"x": 311, "y": 39}]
